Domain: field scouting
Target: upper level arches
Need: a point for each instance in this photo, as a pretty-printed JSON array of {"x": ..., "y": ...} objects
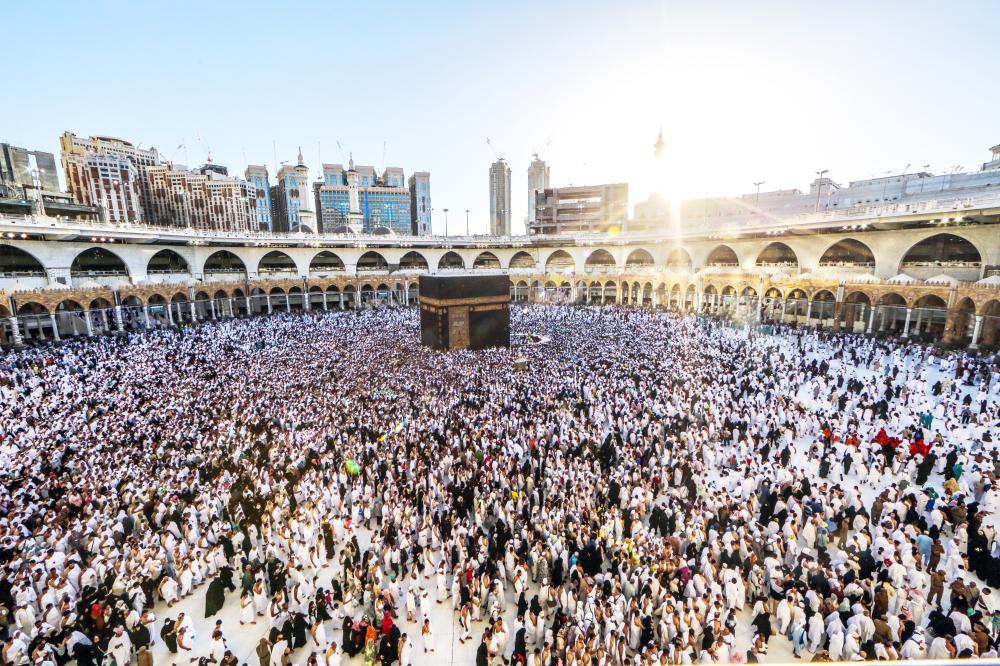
[
  {"x": 560, "y": 261},
  {"x": 522, "y": 259},
  {"x": 276, "y": 262},
  {"x": 777, "y": 255},
  {"x": 98, "y": 262},
  {"x": 722, "y": 256},
  {"x": 413, "y": 261},
  {"x": 679, "y": 258},
  {"x": 486, "y": 260},
  {"x": 639, "y": 258},
  {"x": 326, "y": 262},
  {"x": 451, "y": 261},
  {"x": 599, "y": 258},
  {"x": 224, "y": 262},
  {"x": 372, "y": 261},
  {"x": 167, "y": 261},
  {"x": 848, "y": 252},
  {"x": 15, "y": 262}
]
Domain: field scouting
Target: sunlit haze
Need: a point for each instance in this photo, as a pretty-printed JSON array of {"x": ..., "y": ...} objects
[{"x": 744, "y": 92}]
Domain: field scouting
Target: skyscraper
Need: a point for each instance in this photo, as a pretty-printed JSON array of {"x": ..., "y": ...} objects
[
  {"x": 420, "y": 203},
  {"x": 256, "y": 176},
  {"x": 499, "y": 198},
  {"x": 110, "y": 173},
  {"x": 360, "y": 200},
  {"x": 538, "y": 180},
  {"x": 291, "y": 206}
]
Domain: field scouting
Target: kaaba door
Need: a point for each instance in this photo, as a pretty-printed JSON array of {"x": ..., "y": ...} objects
[{"x": 458, "y": 327}]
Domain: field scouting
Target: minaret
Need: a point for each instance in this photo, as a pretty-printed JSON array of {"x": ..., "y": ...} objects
[
  {"x": 659, "y": 146},
  {"x": 307, "y": 210},
  {"x": 355, "y": 219}
]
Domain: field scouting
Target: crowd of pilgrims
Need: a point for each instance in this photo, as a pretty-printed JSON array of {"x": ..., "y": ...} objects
[{"x": 654, "y": 489}]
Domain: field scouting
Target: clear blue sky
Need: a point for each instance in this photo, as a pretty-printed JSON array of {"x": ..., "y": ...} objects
[{"x": 744, "y": 91}]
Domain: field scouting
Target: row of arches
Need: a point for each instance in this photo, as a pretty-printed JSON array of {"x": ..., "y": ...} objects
[{"x": 942, "y": 249}]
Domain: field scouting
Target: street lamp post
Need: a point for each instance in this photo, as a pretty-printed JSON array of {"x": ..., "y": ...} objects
[
  {"x": 756, "y": 196},
  {"x": 445, "y": 221},
  {"x": 819, "y": 185},
  {"x": 466, "y": 221}
]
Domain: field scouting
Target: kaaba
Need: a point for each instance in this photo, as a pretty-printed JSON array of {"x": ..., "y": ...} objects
[{"x": 465, "y": 311}]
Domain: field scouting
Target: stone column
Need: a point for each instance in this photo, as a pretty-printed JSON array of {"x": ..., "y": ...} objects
[
  {"x": 307, "y": 301},
  {"x": 267, "y": 297},
  {"x": 906, "y": 323},
  {"x": 86, "y": 321},
  {"x": 120, "y": 316},
  {"x": 838, "y": 310},
  {"x": 194, "y": 312},
  {"x": 249, "y": 308},
  {"x": 871, "y": 319},
  {"x": 288, "y": 302},
  {"x": 950, "y": 334},
  {"x": 145, "y": 314},
  {"x": 211, "y": 307},
  {"x": 809, "y": 309},
  {"x": 15, "y": 332},
  {"x": 170, "y": 314},
  {"x": 341, "y": 299},
  {"x": 325, "y": 306},
  {"x": 784, "y": 305},
  {"x": 55, "y": 327},
  {"x": 920, "y": 320},
  {"x": 976, "y": 330}
]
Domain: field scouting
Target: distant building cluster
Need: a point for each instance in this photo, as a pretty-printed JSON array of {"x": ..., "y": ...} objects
[
  {"x": 122, "y": 183},
  {"x": 824, "y": 195}
]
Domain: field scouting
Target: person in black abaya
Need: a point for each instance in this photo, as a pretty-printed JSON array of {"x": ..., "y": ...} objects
[
  {"x": 169, "y": 635},
  {"x": 300, "y": 628},
  {"x": 215, "y": 597},
  {"x": 388, "y": 651},
  {"x": 520, "y": 654},
  {"x": 762, "y": 622}
]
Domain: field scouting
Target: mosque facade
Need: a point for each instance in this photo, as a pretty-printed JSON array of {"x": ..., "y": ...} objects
[{"x": 931, "y": 271}]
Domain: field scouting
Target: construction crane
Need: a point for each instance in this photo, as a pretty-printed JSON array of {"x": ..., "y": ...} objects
[
  {"x": 489, "y": 143},
  {"x": 538, "y": 153}
]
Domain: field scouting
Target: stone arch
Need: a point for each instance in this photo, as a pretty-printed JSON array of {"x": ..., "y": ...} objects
[
  {"x": 599, "y": 259},
  {"x": 854, "y": 311},
  {"x": 560, "y": 261},
  {"x": 486, "y": 260},
  {"x": 679, "y": 258},
  {"x": 639, "y": 258},
  {"x": 98, "y": 261},
  {"x": 451, "y": 260},
  {"x": 372, "y": 261},
  {"x": 848, "y": 252},
  {"x": 722, "y": 255},
  {"x": 167, "y": 261},
  {"x": 224, "y": 261},
  {"x": 15, "y": 262},
  {"x": 777, "y": 254},
  {"x": 276, "y": 262},
  {"x": 413, "y": 261},
  {"x": 326, "y": 262},
  {"x": 522, "y": 259},
  {"x": 942, "y": 249},
  {"x": 823, "y": 304},
  {"x": 892, "y": 298}
]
